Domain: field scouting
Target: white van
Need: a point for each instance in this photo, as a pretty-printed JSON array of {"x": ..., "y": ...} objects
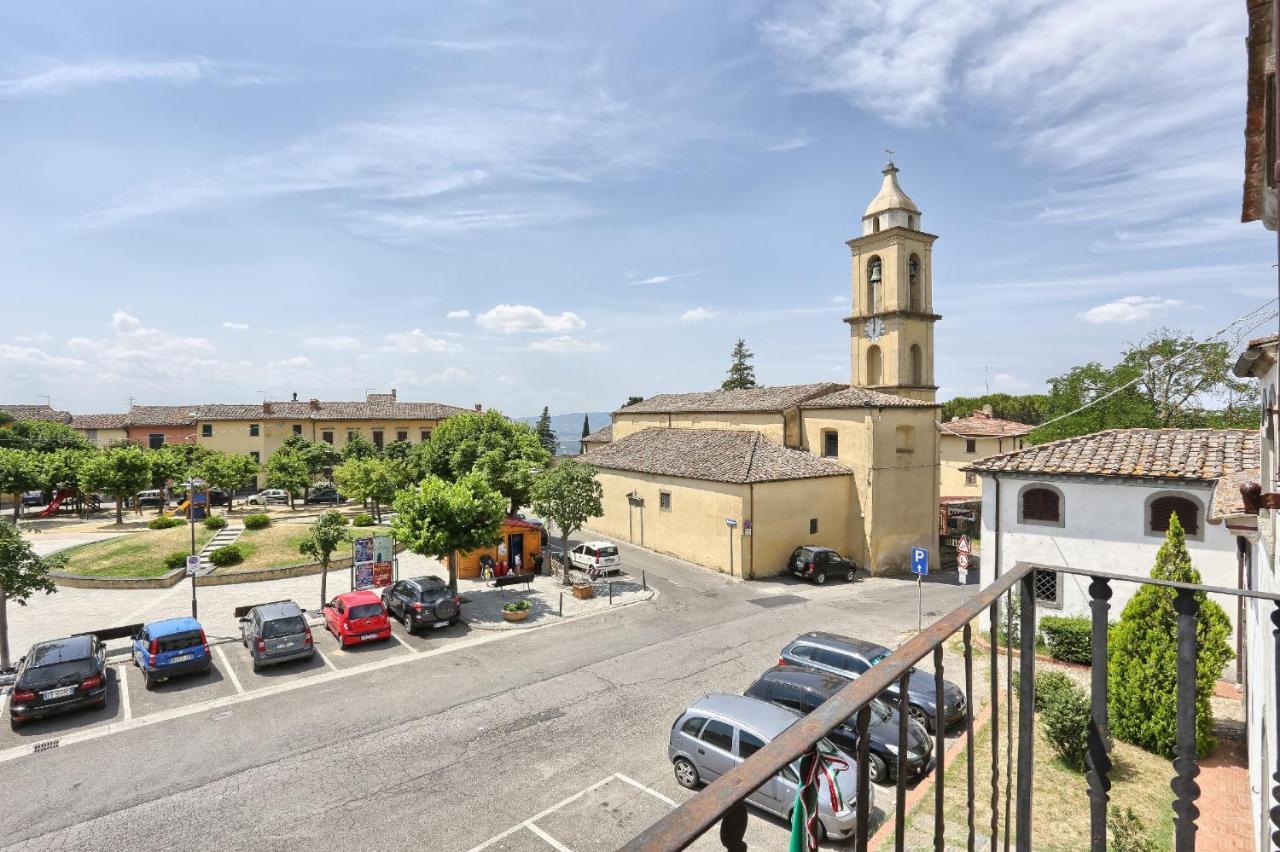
[{"x": 596, "y": 557}]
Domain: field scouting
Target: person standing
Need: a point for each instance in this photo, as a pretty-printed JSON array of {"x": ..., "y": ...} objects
[{"x": 515, "y": 563}]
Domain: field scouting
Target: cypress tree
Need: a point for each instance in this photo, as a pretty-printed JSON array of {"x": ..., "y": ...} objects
[
  {"x": 546, "y": 435},
  {"x": 741, "y": 375}
]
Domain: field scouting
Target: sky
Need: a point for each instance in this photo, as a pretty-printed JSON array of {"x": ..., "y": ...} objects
[{"x": 566, "y": 204}]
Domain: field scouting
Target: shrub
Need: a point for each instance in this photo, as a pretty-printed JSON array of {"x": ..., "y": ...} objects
[
  {"x": 518, "y": 606},
  {"x": 164, "y": 522},
  {"x": 1066, "y": 723},
  {"x": 215, "y": 522},
  {"x": 1049, "y": 684},
  {"x": 257, "y": 522},
  {"x": 1068, "y": 637},
  {"x": 1126, "y": 832},
  {"x": 364, "y": 519},
  {"x": 177, "y": 559},
  {"x": 227, "y": 555}
]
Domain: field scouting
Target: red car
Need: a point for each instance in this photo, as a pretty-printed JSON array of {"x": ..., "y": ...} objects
[{"x": 357, "y": 617}]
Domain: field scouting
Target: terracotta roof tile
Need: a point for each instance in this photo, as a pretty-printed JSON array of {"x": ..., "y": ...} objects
[
  {"x": 1227, "y": 499},
  {"x": 99, "y": 421},
  {"x": 858, "y": 397},
  {"x": 36, "y": 412},
  {"x": 603, "y": 435},
  {"x": 717, "y": 455},
  {"x": 982, "y": 425},
  {"x": 753, "y": 399}
]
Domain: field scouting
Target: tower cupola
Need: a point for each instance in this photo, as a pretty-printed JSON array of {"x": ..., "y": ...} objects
[{"x": 891, "y": 208}]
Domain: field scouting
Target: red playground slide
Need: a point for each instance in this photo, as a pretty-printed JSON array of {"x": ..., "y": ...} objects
[{"x": 52, "y": 508}]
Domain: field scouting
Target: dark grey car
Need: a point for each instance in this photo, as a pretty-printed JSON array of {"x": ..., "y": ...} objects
[
  {"x": 276, "y": 633},
  {"x": 819, "y": 564},
  {"x": 422, "y": 601},
  {"x": 59, "y": 676},
  {"x": 804, "y": 690},
  {"x": 848, "y": 657}
]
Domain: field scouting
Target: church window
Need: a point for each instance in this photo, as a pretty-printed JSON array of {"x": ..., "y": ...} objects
[
  {"x": 1040, "y": 504},
  {"x": 830, "y": 443},
  {"x": 1162, "y": 507},
  {"x": 813, "y": 526},
  {"x": 874, "y": 370},
  {"x": 913, "y": 284},
  {"x": 911, "y": 221},
  {"x": 664, "y": 501},
  {"x": 917, "y": 365},
  {"x": 906, "y": 439},
  {"x": 970, "y": 445},
  {"x": 875, "y": 225},
  {"x": 874, "y": 276}
]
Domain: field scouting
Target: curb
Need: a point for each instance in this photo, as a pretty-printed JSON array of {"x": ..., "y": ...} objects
[{"x": 508, "y": 626}]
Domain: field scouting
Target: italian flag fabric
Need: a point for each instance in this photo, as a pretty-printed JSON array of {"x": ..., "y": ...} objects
[{"x": 820, "y": 767}]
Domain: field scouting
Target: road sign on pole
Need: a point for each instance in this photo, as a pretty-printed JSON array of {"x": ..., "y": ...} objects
[
  {"x": 193, "y": 565},
  {"x": 962, "y": 561},
  {"x": 919, "y": 561},
  {"x": 964, "y": 546}
]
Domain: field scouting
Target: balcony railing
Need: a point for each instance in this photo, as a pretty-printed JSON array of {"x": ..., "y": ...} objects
[{"x": 723, "y": 801}]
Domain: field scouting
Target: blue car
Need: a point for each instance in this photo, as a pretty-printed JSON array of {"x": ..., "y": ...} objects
[{"x": 169, "y": 648}]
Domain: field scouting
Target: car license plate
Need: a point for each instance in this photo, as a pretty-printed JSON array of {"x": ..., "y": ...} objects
[
  {"x": 58, "y": 693},
  {"x": 441, "y": 624},
  {"x": 369, "y": 636},
  {"x": 285, "y": 645},
  {"x": 182, "y": 658}
]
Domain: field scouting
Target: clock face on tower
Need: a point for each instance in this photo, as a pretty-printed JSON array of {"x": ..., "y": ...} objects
[{"x": 873, "y": 328}]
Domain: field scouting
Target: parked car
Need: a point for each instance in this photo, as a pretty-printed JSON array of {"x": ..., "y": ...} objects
[
  {"x": 324, "y": 493},
  {"x": 803, "y": 690},
  {"x": 849, "y": 658},
  {"x": 356, "y": 617},
  {"x": 218, "y": 497},
  {"x": 152, "y": 499},
  {"x": 719, "y": 731},
  {"x": 270, "y": 495},
  {"x": 276, "y": 633},
  {"x": 32, "y": 498},
  {"x": 421, "y": 601},
  {"x": 820, "y": 564},
  {"x": 57, "y": 676},
  {"x": 170, "y": 648},
  {"x": 596, "y": 557}
]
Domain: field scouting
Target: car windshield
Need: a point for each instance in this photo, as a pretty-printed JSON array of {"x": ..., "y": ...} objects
[
  {"x": 365, "y": 611},
  {"x": 608, "y": 551},
  {"x": 283, "y": 627},
  {"x": 40, "y": 676},
  {"x": 177, "y": 642},
  {"x": 875, "y": 658},
  {"x": 430, "y": 593}
]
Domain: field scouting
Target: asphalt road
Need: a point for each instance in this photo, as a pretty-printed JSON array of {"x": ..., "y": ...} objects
[{"x": 551, "y": 738}]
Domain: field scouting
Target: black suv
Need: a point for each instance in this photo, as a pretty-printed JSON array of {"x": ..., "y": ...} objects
[
  {"x": 841, "y": 655},
  {"x": 422, "y": 601},
  {"x": 803, "y": 690},
  {"x": 325, "y": 493},
  {"x": 58, "y": 676},
  {"x": 820, "y": 564}
]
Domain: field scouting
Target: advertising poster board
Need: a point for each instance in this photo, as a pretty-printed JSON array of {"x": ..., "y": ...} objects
[{"x": 373, "y": 562}]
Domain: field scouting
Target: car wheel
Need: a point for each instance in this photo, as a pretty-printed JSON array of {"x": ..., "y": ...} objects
[
  {"x": 876, "y": 769},
  {"x": 686, "y": 774},
  {"x": 820, "y": 578},
  {"x": 205, "y": 671},
  {"x": 851, "y": 574},
  {"x": 454, "y": 621},
  {"x": 147, "y": 682},
  {"x": 920, "y": 716},
  {"x": 14, "y": 724}
]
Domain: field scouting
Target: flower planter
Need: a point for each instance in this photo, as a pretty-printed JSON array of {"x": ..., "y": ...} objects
[
  {"x": 519, "y": 615},
  {"x": 583, "y": 591}
]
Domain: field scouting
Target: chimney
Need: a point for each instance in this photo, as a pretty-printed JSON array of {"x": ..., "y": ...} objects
[
  {"x": 987, "y": 410},
  {"x": 266, "y": 407},
  {"x": 479, "y": 407},
  {"x": 295, "y": 396},
  {"x": 393, "y": 394}
]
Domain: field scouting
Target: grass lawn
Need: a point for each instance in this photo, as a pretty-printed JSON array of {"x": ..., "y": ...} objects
[
  {"x": 274, "y": 547},
  {"x": 138, "y": 554},
  {"x": 1060, "y": 800}
]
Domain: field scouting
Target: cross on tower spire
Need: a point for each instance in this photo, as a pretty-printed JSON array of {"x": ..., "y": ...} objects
[{"x": 889, "y": 151}]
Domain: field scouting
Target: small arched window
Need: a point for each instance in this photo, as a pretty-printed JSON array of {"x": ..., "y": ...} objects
[
  {"x": 875, "y": 225},
  {"x": 913, "y": 283},
  {"x": 1161, "y": 509},
  {"x": 874, "y": 366},
  {"x": 911, "y": 221},
  {"x": 875, "y": 274},
  {"x": 917, "y": 365},
  {"x": 1041, "y": 505}
]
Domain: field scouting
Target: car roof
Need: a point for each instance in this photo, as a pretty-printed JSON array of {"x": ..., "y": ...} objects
[
  {"x": 427, "y": 580},
  {"x": 760, "y": 716},
  {"x": 170, "y": 626},
  {"x": 598, "y": 544},
  {"x": 356, "y": 598},
  {"x": 815, "y": 548},
  {"x": 834, "y": 639},
  {"x": 824, "y": 682},
  {"x": 60, "y": 650},
  {"x": 278, "y": 609}
]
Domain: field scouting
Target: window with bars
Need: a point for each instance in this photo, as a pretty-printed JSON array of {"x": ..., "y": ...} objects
[
  {"x": 664, "y": 501},
  {"x": 1048, "y": 586},
  {"x": 970, "y": 445},
  {"x": 971, "y": 479},
  {"x": 1161, "y": 509},
  {"x": 813, "y": 526},
  {"x": 1040, "y": 505}
]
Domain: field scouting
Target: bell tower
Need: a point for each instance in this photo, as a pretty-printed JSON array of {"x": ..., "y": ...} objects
[{"x": 891, "y": 327}]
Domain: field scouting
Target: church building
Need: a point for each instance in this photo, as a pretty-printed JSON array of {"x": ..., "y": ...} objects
[{"x": 737, "y": 479}]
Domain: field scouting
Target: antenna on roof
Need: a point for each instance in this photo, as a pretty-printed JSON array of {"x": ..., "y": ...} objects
[
  {"x": 986, "y": 378},
  {"x": 264, "y": 395}
]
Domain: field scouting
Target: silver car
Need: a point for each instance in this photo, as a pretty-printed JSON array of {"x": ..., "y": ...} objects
[
  {"x": 276, "y": 633},
  {"x": 720, "y": 730}
]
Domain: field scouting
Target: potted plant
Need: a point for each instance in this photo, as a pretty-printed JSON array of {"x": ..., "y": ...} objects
[{"x": 516, "y": 610}]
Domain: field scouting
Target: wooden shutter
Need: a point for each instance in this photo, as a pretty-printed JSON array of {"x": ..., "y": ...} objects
[
  {"x": 1040, "y": 504},
  {"x": 1188, "y": 514}
]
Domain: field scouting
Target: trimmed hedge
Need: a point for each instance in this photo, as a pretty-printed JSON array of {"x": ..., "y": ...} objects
[
  {"x": 257, "y": 522},
  {"x": 215, "y": 522},
  {"x": 1068, "y": 637},
  {"x": 1066, "y": 724},
  {"x": 227, "y": 555},
  {"x": 362, "y": 520},
  {"x": 177, "y": 559},
  {"x": 164, "y": 523}
]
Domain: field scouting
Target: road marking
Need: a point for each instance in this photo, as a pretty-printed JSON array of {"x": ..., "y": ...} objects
[
  {"x": 123, "y": 687},
  {"x": 328, "y": 662},
  {"x": 649, "y": 790},
  {"x": 551, "y": 841},
  {"x": 529, "y": 822},
  {"x": 404, "y": 643},
  {"x": 231, "y": 673}
]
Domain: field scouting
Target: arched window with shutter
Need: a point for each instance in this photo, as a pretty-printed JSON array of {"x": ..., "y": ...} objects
[
  {"x": 1040, "y": 504},
  {"x": 1161, "y": 507}
]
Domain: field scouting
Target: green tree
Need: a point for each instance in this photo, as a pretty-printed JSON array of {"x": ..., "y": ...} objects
[
  {"x": 373, "y": 480},
  {"x": 321, "y": 456},
  {"x": 586, "y": 425},
  {"x": 1142, "y": 672},
  {"x": 1025, "y": 408},
  {"x": 440, "y": 518},
  {"x": 120, "y": 471},
  {"x": 506, "y": 453},
  {"x": 22, "y": 574},
  {"x": 288, "y": 469},
  {"x": 60, "y": 470},
  {"x": 228, "y": 471},
  {"x": 359, "y": 447},
  {"x": 397, "y": 450},
  {"x": 741, "y": 375},
  {"x": 44, "y": 436},
  {"x": 546, "y": 435},
  {"x": 20, "y": 470},
  {"x": 568, "y": 495},
  {"x": 326, "y": 534}
]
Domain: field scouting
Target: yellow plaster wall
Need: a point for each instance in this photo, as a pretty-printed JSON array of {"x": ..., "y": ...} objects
[
  {"x": 768, "y": 424},
  {"x": 952, "y": 456},
  {"x": 104, "y": 437},
  {"x": 780, "y": 513}
]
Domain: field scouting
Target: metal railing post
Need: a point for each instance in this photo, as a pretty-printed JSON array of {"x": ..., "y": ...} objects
[
  {"x": 1026, "y": 708},
  {"x": 900, "y": 787},
  {"x": 970, "y": 757},
  {"x": 1097, "y": 758},
  {"x": 863, "y": 805},
  {"x": 1185, "y": 765},
  {"x": 995, "y": 724},
  {"x": 940, "y": 732},
  {"x": 1275, "y": 790}
]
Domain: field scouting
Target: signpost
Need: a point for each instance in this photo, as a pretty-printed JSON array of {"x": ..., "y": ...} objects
[
  {"x": 193, "y": 565},
  {"x": 963, "y": 549},
  {"x": 919, "y": 567},
  {"x": 730, "y": 523}
]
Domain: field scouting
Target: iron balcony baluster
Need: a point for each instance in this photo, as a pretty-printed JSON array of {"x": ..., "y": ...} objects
[
  {"x": 1099, "y": 744},
  {"x": 1275, "y": 790},
  {"x": 864, "y": 779},
  {"x": 968, "y": 732},
  {"x": 1026, "y": 708},
  {"x": 940, "y": 734},
  {"x": 1185, "y": 765},
  {"x": 900, "y": 789},
  {"x": 995, "y": 724}
]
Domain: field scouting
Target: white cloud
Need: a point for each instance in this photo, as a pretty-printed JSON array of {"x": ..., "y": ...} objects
[
  {"x": 514, "y": 319},
  {"x": 66, "y": 77},
  {"x": 447, "y": 376},
  {"x": 1129, "y": 309},
  {"x": 125, "y": 323},
  {"x": 698, "y": 314},
  {"x": 461, "y": 314},
  {"x": 28, "y": 357},
  {"x": 236, "y": 326},
  {"x": 82, "y": 344},
  {"x": 36, "y": 337},
  {"x": 335, "y": 342},
  {"x": 297, "y": 362},
  {"x": 662, "y": 279},
  {"x": 417, "y": 341},
  {"x": 790, "y": 144},
  {"x": 565, "y": 343},
  {"x": 1008, "y": 382}
]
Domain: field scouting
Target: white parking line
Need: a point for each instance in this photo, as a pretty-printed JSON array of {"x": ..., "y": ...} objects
[
  {"x": 404, "y": 643},
  {"x": 328, "y": 662},
  {"x": 231, "y": 673},
  {"x": 123, "y": 687},
  {"x": 529, "y": 822},
  {"x": 652, "y": 792},
  {"x": 551, "y": 841}
]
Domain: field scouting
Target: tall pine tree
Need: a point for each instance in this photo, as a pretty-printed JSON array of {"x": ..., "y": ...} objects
[
  {"x": 546, "y": 435},
  {"x": 741, "y": 374},
  {"x": 586, "y": 425}
]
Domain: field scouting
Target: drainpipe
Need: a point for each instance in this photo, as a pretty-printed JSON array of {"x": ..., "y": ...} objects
[
  {"x": 1244, "y": 580},
  {"x": 751, "y": 539},
  {"x": 996, "y": 480}
]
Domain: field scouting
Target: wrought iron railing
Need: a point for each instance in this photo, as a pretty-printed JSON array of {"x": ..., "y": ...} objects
[{"x": 723, "y": 801}]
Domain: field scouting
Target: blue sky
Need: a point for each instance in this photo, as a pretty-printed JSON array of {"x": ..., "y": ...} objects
[{"x": 566, "y": 204}]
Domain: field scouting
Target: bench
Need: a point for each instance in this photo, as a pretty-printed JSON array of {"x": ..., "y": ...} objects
[{"x": 514, "y": 579}]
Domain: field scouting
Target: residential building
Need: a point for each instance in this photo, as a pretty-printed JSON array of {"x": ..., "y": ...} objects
[
  {"x": 101, "y": 429},
  {"x": 755, "y": 473},
  {"x": 156, "y": 425},
  {"x": 1103, "y": 502},
  {"x": 964, "y": 440},
  {"x": 36, "y": 412}
]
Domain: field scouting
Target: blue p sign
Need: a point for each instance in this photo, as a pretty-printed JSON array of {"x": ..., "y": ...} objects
[{"x": 919, "y": 560}]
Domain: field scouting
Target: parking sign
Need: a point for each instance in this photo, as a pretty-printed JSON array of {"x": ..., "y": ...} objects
[
  {"x": 193, "y": 565},
  {"x": 919, "y": 561}
]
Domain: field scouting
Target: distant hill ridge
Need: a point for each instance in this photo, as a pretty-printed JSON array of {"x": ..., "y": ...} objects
[{"x": 568, "y": 428}]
